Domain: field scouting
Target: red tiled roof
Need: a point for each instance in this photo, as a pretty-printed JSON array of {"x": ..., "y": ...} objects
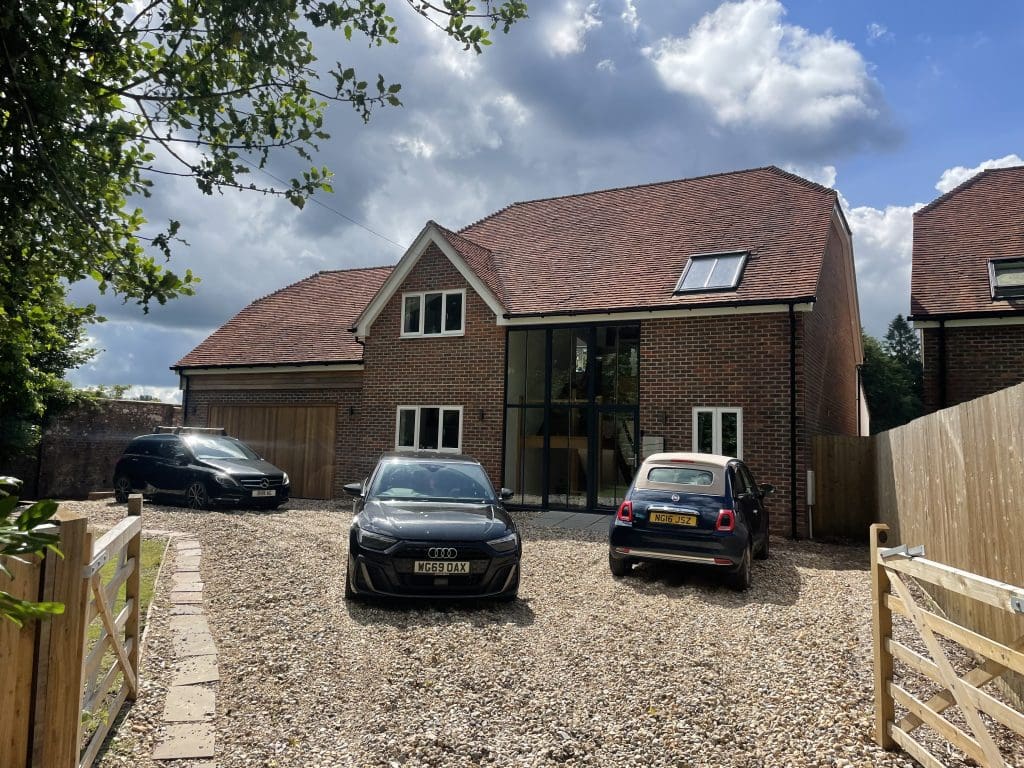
[
  {"x": 479, "y": 259},
  {"x": 306, "y": 322},
  {"x": 955, "y": 237},
  {"x": 623, "y": 248}
]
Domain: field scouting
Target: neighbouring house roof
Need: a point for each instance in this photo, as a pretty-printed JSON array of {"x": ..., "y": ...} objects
[
  {"x": 955, "y": 238},
  {"x": 305, "y": 323},
  {"x": 626, "y": 248}
]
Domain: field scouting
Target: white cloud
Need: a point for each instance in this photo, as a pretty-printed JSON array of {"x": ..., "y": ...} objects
[
  {"x": 606, "y": 65},
  {"x": 878, "y": 32},
  {"x": 748, "y": 66},
  {"x": 630, "y": 17},
  {"x": 953, "y": 177},
  {"x": 822, "y": 174},
  {"x": 414, "y": 146},
  {"x": 566, "y": 32}
]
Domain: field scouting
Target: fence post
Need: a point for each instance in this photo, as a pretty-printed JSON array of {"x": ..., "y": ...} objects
[
  {"x": 58, "y": 691},
  {"x": 17, "y": 659},
  {"x": 132, "y": 590},
  {"x": 881, "y": 631}
]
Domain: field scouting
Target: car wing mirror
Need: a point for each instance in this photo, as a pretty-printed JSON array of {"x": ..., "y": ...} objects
[
  {"x": 181, "y": 458},
  {"x": 354, "y": 489},
  {"x": 767, "y": 489},
  {"x": 506, "y": 494}
]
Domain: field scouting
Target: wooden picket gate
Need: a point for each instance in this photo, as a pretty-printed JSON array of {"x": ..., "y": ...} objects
[
  {"x": 58, "y": 684},
  {"x": 889, "y": 568}
]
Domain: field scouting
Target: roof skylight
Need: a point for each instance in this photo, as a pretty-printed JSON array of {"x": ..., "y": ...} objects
[
  {"x": 712, "y": 271},
  {"x": 1006, "y": 277}
]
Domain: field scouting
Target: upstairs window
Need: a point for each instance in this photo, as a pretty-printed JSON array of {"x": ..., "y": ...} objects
[
  {"x": 433, "y": 313},
  {"x": 712, "y": 272},
  {"x": 1006, "y": 277}
]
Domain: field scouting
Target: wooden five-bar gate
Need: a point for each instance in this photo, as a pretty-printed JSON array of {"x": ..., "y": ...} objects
[
  {"x": 890, "y": 569},
  {"x": 62, "y": 685}
]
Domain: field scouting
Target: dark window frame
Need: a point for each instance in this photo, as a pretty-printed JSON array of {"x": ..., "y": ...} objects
[
  {"x": 698, "y": 258},
  {"x": 1004, "y": 292}
]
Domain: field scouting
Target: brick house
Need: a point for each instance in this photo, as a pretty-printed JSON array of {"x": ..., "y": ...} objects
[
  {"x": 561, "y": 340},
  {"x": 967, "y": 288}
]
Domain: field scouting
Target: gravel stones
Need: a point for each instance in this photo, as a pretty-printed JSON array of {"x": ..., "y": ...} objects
[{"x": 667, "y": 667}]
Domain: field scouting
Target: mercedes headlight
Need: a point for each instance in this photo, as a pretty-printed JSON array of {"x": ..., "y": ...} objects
[
  {"x": 285, "y": 480},
  {"x": 225, "y": 480}
]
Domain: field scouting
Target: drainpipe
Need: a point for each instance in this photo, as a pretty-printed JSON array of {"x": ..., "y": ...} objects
[
  {"x": 184, "y": 401},
  {"x": 859, "y": 404},
  {"x": 942, "y": 364},
  {"x": 792, "y": 418}
]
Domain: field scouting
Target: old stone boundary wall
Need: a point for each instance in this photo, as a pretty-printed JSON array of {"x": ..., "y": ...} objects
[{"x": 79, "y": 449}]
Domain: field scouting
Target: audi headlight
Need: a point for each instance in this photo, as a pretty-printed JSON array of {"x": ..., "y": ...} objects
[
  {"x": 285, "y": 480},
  {"x": 506, "y": 543},
  {"x": 374, "y": 541},
  {"x": 226, "y": 480}
]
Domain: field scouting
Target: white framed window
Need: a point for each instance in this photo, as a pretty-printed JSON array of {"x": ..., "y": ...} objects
[
  {"x": 718, "y": 430},
  {"x": 429, "y": 428},
  {"x": 712, "y": 271},
  {"x": 434, "y": 313}
]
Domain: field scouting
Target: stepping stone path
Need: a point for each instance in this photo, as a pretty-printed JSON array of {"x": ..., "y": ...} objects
[{"x": 191, "y": 699}]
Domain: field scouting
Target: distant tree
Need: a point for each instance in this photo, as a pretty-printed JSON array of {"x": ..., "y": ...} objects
[
  {"x": 148, "y": 398},
  {"x": 107, "y": 391},
  {"x": 892, "y": 376}
]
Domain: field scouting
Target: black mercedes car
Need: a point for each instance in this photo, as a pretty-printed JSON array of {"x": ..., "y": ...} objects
[
  {"x": 430, "y": 525},
  {"x": 202, "y": 469}
]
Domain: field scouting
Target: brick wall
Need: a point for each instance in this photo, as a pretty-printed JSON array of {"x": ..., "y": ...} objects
[
  {"x": 979, "y": 360},
  {"x": 79, "y": 449},
  {"x": 464, "y": 370},
  {"x": 728, "y": 361},
  {"x": 830, "y": 349}
]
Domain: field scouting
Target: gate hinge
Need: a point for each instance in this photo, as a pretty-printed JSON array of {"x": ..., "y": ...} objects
[
  {"x": 1017, "y": 603},
  {"x": 904, "y": 550}
]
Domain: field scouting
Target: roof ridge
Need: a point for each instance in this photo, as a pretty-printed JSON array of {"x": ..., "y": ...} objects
[
  {"x": 964, "y": 185},
  {"x": 503, "y": 297},
  {"x": 351, "y": 269},
  {"x": 774, "y": 168}
]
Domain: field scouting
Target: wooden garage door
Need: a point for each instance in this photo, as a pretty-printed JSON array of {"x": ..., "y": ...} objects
[{"x": 299, "y": 440}]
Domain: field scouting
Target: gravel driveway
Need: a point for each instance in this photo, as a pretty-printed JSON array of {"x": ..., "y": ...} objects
[{"x": 665, "y": 668}]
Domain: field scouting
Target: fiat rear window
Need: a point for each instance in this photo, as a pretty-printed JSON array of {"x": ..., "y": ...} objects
[{"x": 681, "y": 476}]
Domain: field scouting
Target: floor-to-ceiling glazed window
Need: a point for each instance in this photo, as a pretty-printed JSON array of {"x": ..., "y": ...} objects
[{"x": 571, "y": 414}]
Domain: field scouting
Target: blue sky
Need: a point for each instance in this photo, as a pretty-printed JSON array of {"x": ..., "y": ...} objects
[{"x": 890, "y": 103}]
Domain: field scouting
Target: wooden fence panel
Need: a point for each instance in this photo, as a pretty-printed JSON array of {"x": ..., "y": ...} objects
[
  {"x": 844, "y": 487},
  {"x": 17, "y": 657}
]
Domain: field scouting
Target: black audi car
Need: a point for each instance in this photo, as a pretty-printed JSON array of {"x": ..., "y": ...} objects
[
  {"x": 430, "y": 525},
  {"x": 201, "y": 469}
]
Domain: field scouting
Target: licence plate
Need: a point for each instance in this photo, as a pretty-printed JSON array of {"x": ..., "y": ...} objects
[
  {"x": 445, "y": 567},
  {"x": 269, "y": 492},
  {"x": 670, "y": 518}
]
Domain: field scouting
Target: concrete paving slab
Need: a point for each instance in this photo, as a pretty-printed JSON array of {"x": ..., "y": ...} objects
[
  {"x": 186, "y": 609},
  {"x": 196, "y": 669},
  {"x": 187, "y": 544},
  {"x": 189, "y": 704},
  {"x": 187, "y": 597},
  {"x": 186, "y": 740},
  {"x": 189, "y": 625},
  {"x": 190, "y": 568},
  {"x": 187, "y": 577},
  {"x": 186, "y": 562},
  {"x": 551, "y": 518},
  {"x": 187, "y": 586},
  {"x": 197, "y": 644}
]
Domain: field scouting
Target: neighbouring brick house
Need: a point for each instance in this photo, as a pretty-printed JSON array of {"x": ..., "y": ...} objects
[
  {"x": 561, "y": 340},
  {"x": 967, "y": 288}
]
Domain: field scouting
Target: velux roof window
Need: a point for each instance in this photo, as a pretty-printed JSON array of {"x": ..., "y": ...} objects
[
  {"x": 1006, "y": 277},
  {"x": 712, "y": 272}
]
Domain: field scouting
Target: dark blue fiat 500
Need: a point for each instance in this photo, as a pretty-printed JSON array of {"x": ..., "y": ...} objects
[
  {"x": 430, "y": 525},
  {"x": 692, "y": 508}
]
